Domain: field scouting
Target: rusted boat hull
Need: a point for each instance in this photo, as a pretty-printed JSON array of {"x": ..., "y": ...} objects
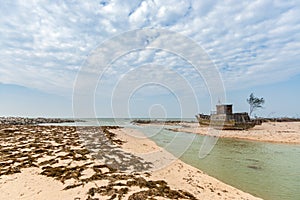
[{"x": 204, "y": 120}]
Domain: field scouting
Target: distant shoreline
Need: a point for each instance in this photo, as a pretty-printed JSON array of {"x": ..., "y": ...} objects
[
  {"x": 263, "y": 119},
  {"x": 171, "y": 121},
  {"x": 35, "y": 121}
]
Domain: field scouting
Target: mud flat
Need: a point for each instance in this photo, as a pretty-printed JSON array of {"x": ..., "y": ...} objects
[{"x": 64, "y": 162}]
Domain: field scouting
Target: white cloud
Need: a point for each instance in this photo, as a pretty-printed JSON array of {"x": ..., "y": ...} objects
[{"x": 43, "y": 44}]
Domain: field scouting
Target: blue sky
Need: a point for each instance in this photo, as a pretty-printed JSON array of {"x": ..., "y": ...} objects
[{"x": 255, "y": 46}]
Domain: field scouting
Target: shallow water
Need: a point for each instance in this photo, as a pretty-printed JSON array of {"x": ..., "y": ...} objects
[{"x": 267, "y": 170}]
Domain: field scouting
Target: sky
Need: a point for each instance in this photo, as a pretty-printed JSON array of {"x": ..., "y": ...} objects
[{"x": 48, "y": 47}]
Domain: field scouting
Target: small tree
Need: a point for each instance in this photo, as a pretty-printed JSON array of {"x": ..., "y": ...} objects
[{"x": 255, "y": 103}]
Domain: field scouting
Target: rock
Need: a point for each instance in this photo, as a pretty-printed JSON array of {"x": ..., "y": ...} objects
[{"x": 33, "y": 121}]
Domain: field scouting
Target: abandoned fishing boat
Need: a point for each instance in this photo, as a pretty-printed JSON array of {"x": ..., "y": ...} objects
[{"x": 224, "y": 119}]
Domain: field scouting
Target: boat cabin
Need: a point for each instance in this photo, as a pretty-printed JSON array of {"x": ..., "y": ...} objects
[
  {"x": 224, "y": 109},
  {"x": 224, "y": 112}
]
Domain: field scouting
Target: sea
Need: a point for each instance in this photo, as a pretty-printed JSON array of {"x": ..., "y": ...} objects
[{"x": 267, "y": 170}]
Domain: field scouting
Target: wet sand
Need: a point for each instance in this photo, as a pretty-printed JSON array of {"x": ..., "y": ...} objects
[
  {"x": 278, "y": 132},
  {"x": 58, "y": 162}
]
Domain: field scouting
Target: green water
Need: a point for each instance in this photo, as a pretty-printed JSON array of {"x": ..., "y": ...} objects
[{"x": 267, "y": 170}]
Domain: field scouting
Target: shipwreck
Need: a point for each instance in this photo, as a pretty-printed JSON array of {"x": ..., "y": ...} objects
[{"x": 223, "y": 118}]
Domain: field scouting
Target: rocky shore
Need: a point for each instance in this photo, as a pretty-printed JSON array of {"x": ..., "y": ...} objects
[{"x": 33, "y": 121}]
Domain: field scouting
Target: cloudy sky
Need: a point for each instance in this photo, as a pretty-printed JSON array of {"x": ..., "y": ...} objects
[{"x": 46, "y": 45}]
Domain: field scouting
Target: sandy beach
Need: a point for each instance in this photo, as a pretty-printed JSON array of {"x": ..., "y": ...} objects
[
  {"x": 278, "y": 132},
  {"x": 178, "y": 174},
  {"x": 57, "y": 162}
]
